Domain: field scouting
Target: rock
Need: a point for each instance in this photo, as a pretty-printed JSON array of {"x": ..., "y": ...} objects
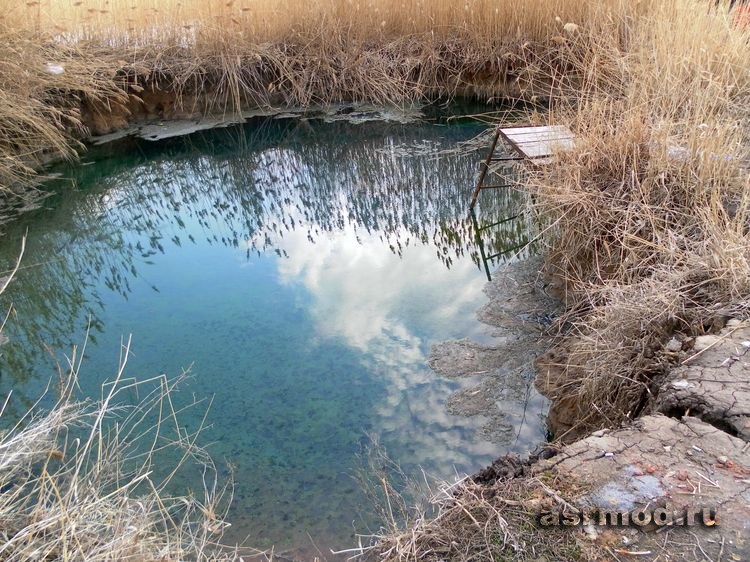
[
  {"x": 680, "y": 384},
  {"x": 673, "y": 346},
  {"x": 722, "y": 459},
  {"x": 704, "y": 342}
]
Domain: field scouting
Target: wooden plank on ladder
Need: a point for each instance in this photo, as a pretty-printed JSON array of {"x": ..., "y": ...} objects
[
  {"x": 533, "y": 143},
  {"x": 538, "y": 142}
]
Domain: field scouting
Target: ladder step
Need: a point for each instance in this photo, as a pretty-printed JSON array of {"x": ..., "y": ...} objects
[
  {"x": 500, "y": 221},
  {"x": 497, "y": 186},
  {"x": 506, "y": 158},
  {"x": 493, "y": 256}
]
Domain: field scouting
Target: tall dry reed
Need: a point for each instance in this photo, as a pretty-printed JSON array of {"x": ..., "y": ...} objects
[
  {"x": 648, "y": 215},
  {"x": 68, "y": 67}
]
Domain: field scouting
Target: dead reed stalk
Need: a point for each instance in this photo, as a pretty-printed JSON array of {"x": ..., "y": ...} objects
[
  {"x": 83, "y": 480},
  {"x": 648, "y": 215}
]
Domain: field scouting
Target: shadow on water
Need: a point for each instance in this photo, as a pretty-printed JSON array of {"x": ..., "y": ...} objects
[{"x": 303, "y": 269}]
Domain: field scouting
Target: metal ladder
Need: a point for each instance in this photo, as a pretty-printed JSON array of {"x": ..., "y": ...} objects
[{"x": 485, "y": 167}]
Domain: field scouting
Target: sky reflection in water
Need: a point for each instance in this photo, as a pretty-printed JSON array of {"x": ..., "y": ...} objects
[{"x": 303, "y": 269}]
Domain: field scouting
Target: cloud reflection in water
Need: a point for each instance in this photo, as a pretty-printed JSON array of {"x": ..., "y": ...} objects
[{"x": 306, "y": 271}]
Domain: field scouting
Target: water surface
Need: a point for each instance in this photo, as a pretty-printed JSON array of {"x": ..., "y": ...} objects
[{"x": 302, "y": 270}]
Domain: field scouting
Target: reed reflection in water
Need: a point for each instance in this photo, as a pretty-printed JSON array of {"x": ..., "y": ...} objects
[{"x": 304, "y": 269}]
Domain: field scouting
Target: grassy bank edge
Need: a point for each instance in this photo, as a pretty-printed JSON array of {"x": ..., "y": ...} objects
[
  {"x": 645, "y": 226},
  {"x": 646, "y": 221}
]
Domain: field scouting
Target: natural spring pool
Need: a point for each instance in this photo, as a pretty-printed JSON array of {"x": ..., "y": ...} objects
[{"x": 303, "y": 268}]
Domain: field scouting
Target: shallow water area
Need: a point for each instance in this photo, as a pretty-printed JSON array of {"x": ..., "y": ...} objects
[{"x": 302, "y": 269}]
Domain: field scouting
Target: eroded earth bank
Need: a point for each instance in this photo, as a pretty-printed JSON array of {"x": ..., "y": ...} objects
[{"x": 688, "y": 450}]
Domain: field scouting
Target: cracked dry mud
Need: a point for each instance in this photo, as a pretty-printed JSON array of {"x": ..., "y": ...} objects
[
  {"x": 662, "y": 462},
  {"x": 692, "y": 451},
  {"x": 714, "y": 382}
]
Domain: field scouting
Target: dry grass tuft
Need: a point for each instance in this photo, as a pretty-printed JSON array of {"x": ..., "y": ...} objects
[
  {"x": 485, "y": 522},
  {"x": 79, "y": 482},
  {"x": 88, "y": 480},
  {"x": 648, "y": 215},
  {"x": 40, "y": 111}
]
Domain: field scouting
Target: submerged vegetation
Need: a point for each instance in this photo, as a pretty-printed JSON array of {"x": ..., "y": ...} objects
[{"x": 645, "y": 221}]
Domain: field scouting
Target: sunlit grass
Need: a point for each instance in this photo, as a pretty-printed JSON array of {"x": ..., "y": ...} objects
[{"x": 269, "y": 20}]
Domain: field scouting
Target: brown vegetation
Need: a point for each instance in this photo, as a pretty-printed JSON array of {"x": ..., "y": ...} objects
[
  {"x": 68, "y": 68},
  {"x": 648, "y": 215},
  {"x": 645, "y": 221},
  {"x": 485, "y": 521}
]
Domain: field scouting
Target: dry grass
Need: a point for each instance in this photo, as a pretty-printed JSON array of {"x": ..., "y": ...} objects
[
  {"x": 648, "y": 215},
  {"x": 283, "y": 21},
  {"x": 78, "y": 486},
  {"x": 89, "y": 480},
  {"x": 483, "y": 521},
  {"x": 80, "y": 482},
  {"x": 72, "y": 66},
  {"x": 40, "y": 113}
]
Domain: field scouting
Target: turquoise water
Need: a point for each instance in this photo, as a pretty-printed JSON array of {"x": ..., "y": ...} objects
[{"x": 302, "y": 270}]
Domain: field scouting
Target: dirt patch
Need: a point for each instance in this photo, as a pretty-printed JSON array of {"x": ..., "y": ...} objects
[
  {"x": 519, "y": 310},
  {"x": 664, "y": 462}
]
